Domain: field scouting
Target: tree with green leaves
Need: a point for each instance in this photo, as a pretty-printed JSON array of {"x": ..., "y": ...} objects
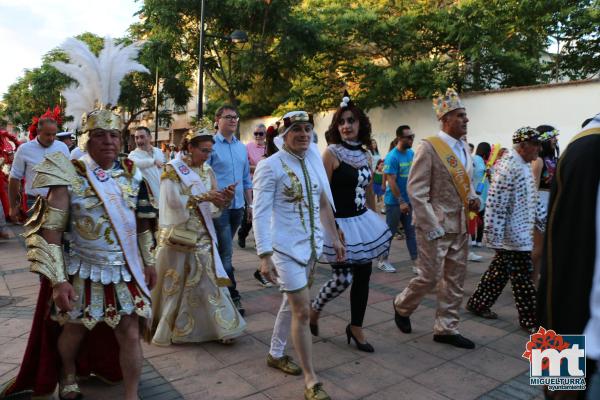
[
  {"x": 388, "y": 51},
  {"x": 574, "y": 28},
  {"x": 303, "y": 54},
  {"x": 255, "y": 76}
]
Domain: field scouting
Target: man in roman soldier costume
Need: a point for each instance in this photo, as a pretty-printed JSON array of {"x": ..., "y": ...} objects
[
  {"x": 441, "y": 194},
  {"x": 92, "y": 301}
]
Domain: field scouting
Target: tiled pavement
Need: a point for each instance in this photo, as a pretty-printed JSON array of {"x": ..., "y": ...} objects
[{"x": 402, "y": 367}]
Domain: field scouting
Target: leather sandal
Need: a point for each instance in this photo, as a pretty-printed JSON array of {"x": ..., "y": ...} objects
[{"x": 66, "y": 389}]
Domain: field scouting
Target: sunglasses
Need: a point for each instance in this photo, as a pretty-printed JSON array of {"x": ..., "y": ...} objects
[
  {"x": 411, "y": 137},
  {"x": 259, "y": 133},
  {"x": 349, "y": 120},
  {"x": 230, "y": 118}
]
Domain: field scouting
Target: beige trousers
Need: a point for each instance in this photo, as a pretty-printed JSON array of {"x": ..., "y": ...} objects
[{"x": 442, "y": 263}]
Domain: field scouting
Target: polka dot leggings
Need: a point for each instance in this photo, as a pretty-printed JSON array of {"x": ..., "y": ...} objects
[{"x": 516, "y": 266}]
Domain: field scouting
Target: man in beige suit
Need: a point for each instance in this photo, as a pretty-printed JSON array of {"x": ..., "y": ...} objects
[{"x": 441, "y": 193}]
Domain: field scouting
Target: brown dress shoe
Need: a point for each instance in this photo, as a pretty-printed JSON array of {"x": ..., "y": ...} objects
[
  {"x": 316, "y": 393},
  {"x": 284, "y": 364}
]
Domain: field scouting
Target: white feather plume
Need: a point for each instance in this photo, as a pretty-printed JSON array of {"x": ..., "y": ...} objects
[{"x": 97, "y": 79}]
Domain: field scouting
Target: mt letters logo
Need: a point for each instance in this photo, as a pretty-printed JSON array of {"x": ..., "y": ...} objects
[{"x": 557, "y": 361}]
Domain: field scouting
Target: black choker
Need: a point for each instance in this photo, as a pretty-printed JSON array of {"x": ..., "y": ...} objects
[{"x": 352, "y": 146}]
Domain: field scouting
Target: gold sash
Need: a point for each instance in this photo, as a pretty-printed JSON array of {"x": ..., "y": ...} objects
[
  {"x": 457, "y": 171},
  {"x": 587, "y": 132}
]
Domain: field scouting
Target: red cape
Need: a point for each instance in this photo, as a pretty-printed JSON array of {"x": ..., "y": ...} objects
[{"x": 99, "y": 353}]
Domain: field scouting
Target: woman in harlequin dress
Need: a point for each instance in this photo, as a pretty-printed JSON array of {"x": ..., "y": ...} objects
[
  {"x": 367, "y": 237},
  {"x": 191, "y": 300}
]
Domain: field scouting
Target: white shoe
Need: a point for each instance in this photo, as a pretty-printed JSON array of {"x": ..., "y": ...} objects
[
  {"x": 474, "y": 257},
  {"x": 385, "y": 266},
  {"x": 415, "y": 270},
  {"x": 478, "y": 244}
]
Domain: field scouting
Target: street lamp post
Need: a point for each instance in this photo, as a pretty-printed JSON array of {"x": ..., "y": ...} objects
[
  {"x": 200, "y": 64},
  {"x": 237, "y": 36},
  {"x": 156, "y": 110}
]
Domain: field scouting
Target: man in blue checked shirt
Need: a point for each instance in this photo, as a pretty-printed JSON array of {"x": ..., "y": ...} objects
[{"x": 229, "y": 161}]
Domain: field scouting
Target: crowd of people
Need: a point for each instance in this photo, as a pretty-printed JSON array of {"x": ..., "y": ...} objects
[{"x": 142, "y": 245}]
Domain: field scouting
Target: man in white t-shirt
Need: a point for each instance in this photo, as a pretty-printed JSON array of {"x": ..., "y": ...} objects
[
  {"x": 77, "y": 153},
  {"x": 29, "y": 155},
  {"x": 149, "y": 160}
]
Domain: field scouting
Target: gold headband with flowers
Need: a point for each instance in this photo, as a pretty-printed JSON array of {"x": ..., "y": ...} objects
[
  {"x": 549, "y": 135},
  {"x": 443, "y": 104}
]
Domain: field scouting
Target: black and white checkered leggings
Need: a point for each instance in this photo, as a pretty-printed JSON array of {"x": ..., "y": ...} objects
[{"x": 342, "y": 276}]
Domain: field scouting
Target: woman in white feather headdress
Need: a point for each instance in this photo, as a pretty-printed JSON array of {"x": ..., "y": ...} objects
[{"x": 94, "y": 299}]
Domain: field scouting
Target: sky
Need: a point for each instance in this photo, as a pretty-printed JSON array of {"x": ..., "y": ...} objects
[{"x": 31, "y": 28}]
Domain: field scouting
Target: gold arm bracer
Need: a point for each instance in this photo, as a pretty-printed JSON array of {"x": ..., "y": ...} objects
[
  {"x": 44, "y": 216},
  {"x": 55, "y": 219},
  {"x": 46, "y": 259},
  {"x": 146, "y": 243}
]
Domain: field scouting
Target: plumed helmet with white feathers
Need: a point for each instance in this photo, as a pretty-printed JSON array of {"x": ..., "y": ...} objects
[{"x": 95, "y": 92}]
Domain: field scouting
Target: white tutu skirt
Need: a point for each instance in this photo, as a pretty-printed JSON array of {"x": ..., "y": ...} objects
[{"x": 367, "y": 238}]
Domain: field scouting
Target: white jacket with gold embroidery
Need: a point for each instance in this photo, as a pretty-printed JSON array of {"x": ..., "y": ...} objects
[{"x": 285, "y": 218}]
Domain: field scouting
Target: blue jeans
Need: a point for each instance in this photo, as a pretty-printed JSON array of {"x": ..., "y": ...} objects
[
  {"x": 226, "y": 226},
  {"x": 393, "y": 217}
]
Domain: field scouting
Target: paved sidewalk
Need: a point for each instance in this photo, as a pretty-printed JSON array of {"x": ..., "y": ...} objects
[{"x": 402, "y": 367}]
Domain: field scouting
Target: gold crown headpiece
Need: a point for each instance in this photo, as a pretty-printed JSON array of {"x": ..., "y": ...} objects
[
  {"x": 100, "y": 118},
  {"x": 443, "y": 104},
  {"x": 202, "y": 132}
]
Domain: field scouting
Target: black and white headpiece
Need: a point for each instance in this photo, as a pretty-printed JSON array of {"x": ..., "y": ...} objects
[{"x": 346, "y": 101}]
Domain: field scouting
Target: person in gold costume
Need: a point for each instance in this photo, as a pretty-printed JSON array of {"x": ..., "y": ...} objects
[
  {"x": 192, "y": 303},
  {"x": 93, "y": 298}
]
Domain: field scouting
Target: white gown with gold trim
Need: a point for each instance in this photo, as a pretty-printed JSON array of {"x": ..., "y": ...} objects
[{"x": 190, "y": 303}]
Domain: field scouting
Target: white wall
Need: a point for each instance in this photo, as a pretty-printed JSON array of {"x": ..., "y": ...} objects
[{"x": 494, "y": 115}]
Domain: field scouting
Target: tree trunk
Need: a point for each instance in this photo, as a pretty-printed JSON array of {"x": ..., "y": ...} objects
[{"x": 125, "y": 136}]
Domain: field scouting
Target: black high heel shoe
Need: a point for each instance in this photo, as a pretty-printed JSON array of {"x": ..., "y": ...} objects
[{"x": 361, "y": 346}]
